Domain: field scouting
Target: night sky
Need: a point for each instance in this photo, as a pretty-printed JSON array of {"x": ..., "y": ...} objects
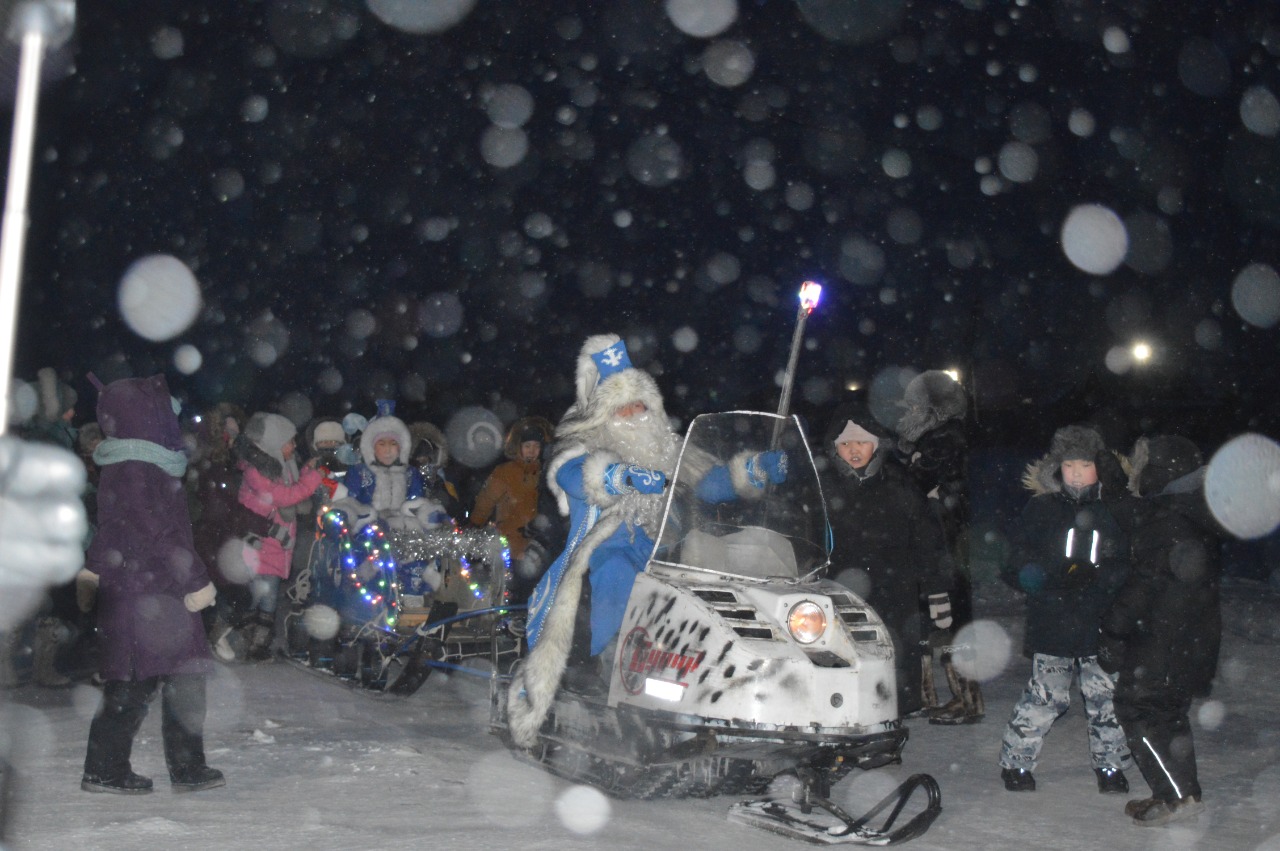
[{"x": 443, "y": 217}]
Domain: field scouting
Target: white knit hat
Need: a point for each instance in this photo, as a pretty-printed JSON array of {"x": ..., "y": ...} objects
[{"x": 853, "y": 431}]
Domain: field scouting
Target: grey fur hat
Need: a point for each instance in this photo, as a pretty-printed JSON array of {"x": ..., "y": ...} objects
[
  {"x": 930, "y": 399},
  {"x": 1075, "y": 443}
]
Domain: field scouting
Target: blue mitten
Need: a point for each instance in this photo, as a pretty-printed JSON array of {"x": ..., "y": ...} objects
[
  {"x": 768, "y": 466},
  {"x": 644, "y": 480}
]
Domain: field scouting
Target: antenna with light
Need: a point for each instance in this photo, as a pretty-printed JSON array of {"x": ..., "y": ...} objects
[{"x": 810, "y": 293}]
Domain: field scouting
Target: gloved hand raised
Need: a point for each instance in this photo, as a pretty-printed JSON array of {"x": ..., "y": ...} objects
[
  {"x": 940, "y": 610},
  {"x": 768, "y": 467}
]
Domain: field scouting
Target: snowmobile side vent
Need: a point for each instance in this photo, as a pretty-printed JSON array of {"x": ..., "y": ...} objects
[
  {"x": 826, "y": 659},
  {"x": 714, "y": 596},
  {"x": 737, "y": 614},
  {"x": 762, "y": 632},
  {"x": 854, "y": 616},
  {"x": 864, "y": 635}
]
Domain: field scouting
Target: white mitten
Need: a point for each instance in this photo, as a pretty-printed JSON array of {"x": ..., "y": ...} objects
[{"x": 202, "y": 599}]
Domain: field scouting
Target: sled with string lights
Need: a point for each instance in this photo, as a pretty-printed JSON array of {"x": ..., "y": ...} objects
[{"x": 382, "y": 607}]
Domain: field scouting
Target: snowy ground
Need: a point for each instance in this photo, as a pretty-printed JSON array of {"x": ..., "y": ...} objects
[{"x": 312, "y": 764}]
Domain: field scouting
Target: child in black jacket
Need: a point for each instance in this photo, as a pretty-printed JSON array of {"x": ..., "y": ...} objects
[{"x": 1071, "y": 555}]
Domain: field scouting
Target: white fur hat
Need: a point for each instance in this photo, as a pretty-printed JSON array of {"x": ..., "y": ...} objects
[
  {"x": 328, "y": 431},
  {"x": 385, "y": 426},
  {"x": 606, "y": 380}
]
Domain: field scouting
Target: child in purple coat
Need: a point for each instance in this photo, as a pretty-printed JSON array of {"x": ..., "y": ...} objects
[{"x": 152, "y": 587}]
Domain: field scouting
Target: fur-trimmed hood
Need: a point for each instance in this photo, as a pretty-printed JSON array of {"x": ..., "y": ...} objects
[
  {"x": 428, "y": 440},
  {"x": 269, "y": 433},
  {"x": 515, "y": 434},
  {"x": 385, "y": 426},
  {"x": 931, "y": 398}
]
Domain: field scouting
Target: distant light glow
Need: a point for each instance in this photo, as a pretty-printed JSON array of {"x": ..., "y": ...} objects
[
  {"x": 954, "y": 373},
  {"x": 1141, "y": 352},
  {"x": 852, "y": 386},
  {"x": 810, "y": 293}
]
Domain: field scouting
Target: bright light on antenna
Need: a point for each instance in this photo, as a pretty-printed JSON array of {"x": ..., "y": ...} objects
[{"x": 810, "y": 292}]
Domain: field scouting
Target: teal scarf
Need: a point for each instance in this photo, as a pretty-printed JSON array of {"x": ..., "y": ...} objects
[{"x": 113, "y": 450}]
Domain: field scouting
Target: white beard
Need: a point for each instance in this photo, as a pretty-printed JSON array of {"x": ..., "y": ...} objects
[{"x": 641, "y": 439}]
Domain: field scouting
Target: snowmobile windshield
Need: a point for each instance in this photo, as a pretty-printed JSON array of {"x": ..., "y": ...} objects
[{"x": 745, "y": 500}]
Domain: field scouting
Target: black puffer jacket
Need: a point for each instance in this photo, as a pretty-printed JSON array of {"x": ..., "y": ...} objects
[
  {"x": 1165, "y": 626},
  {"x": 883, "y": 526},
  {"x": 1070, "y": 556}
]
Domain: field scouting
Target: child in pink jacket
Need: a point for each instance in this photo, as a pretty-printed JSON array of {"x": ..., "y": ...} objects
[{"x": 272, "y": 487}]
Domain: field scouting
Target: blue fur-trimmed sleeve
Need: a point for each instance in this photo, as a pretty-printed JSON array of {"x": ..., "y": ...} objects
[
  {"x": 728, "y": 482},
  {"x": 598, "y": 487}
]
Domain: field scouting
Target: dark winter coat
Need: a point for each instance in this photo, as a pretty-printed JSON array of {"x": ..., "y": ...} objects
[
  {"x": 883, "y": 527},
  {"x": 1165, "y": 627},
  {"x": 939, "y": 464},
  {"x": 1068, "y": 587},
  {"x": 143, "y": 551}
]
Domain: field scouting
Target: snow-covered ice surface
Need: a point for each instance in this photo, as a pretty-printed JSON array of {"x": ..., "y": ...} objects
[{"x": 312, "y": 764}]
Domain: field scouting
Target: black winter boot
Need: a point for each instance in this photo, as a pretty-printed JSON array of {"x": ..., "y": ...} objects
[
  {"x": 1018, "y": 780},
  {"x": 106, "y": 762},
  {"x": 127, "y": 783},
  {"x": 196, "y": 778},
  {"x": 1163, "y": 812},
  {"x": 262, "y": 632},
  {"x": 1111, "y": 781}
]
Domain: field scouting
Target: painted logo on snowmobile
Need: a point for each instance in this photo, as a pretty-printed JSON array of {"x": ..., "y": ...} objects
[{"x": 641, "y": 659}]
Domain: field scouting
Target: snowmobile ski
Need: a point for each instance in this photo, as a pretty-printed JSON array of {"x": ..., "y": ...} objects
[{"x": 836, "y": 827}]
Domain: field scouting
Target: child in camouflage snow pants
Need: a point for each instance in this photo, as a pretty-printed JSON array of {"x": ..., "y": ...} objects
[{"x": 1071, "y": 555}]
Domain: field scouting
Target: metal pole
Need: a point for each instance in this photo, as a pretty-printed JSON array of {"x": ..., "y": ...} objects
[
  {"x": 40, "y": 24},
  {"x": 789, "y": 377},
  {"x": 14, "y": 229}
]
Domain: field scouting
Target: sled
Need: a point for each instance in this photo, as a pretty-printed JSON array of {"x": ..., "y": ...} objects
[{"x": 407, "y": 602}]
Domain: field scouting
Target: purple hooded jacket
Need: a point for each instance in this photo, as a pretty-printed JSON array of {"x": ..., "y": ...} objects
[{"x": 143, "y": 550}]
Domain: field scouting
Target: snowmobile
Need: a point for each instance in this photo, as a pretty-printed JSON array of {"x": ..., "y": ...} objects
[
  {"x": 737, "y": 663},
  {"x": 383, "y": 604}
]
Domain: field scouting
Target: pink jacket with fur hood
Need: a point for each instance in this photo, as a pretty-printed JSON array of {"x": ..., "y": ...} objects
[{"x": 267, "y": 489}]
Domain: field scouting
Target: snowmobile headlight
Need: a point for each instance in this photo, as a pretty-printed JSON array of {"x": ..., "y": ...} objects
[{"x": 807, "y": 622}]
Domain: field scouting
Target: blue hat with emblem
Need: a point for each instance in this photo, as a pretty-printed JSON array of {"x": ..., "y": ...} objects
[{"x": 611, "y": 359}]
